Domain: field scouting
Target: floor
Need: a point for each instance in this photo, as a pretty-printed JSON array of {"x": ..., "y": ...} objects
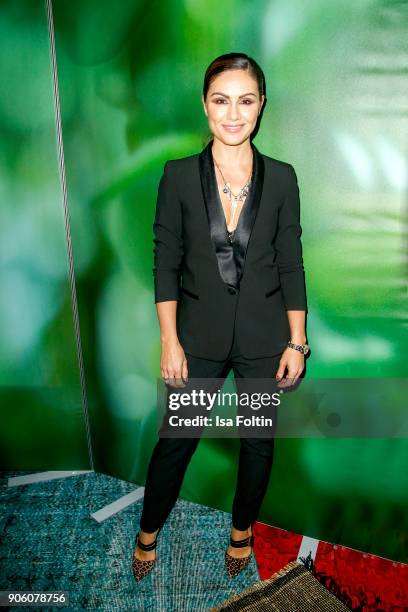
[{"x": 49, "y": 541}]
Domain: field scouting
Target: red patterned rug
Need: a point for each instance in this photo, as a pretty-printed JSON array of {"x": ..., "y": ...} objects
[{"x": 363, "y": 582}]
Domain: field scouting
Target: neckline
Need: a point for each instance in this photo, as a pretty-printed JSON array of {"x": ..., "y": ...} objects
[{"x": 218, "y": 197}]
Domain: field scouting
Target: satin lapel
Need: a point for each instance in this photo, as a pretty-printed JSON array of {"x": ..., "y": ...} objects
[
  {"x": 248, "y": 214},
  {"x": 215, "y": 214},
  {"x": 216, "y": 218}
]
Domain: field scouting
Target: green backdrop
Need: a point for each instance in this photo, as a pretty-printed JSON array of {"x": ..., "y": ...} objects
[
  {"x": 41, "y": 418},
  {"x": 130, "y": 77}
]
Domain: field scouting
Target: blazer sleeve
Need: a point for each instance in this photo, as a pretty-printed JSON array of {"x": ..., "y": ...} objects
[
  {"x": 289, "y": 247},
  {"x": 168, "y": 238}
]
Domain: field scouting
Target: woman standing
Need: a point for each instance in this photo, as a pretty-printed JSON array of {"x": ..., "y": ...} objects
[{"x": 229, "y": 288}]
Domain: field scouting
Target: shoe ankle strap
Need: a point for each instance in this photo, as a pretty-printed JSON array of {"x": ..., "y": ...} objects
[
  {"x": 248, "y": 541},
  {"x": 146, "y": 547}
]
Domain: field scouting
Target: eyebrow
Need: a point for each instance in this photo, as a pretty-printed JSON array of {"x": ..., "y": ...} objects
[{"x": 219, "y": 93}]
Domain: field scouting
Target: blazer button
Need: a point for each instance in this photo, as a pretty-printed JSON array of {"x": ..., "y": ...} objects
[{"x": 232, "y": 290}]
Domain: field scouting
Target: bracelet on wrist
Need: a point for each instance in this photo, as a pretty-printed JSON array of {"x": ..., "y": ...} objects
[{"x": 302, "y": 348}]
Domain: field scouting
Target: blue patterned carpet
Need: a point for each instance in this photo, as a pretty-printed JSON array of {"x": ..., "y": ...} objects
[{"x": 48, "y": 541}]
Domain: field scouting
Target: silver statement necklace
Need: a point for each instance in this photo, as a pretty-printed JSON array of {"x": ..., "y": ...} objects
[{"x": 233, "y": 198}]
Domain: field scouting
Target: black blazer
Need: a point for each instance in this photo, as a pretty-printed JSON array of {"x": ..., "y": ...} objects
[{"x": 192, "y": 263}]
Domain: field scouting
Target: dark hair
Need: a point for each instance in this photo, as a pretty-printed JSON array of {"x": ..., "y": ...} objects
[{"x": 234, "y": 61}]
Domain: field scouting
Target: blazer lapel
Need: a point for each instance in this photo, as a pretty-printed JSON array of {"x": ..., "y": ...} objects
[{"x": 231, "y": 258}]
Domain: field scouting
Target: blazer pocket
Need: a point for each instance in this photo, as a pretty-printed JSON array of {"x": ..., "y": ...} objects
[
  {"x": 272, "y": 291},
  {"x": 190, "y": 293}
]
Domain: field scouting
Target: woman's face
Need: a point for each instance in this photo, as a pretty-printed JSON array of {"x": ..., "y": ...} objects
[{"x": 232, "y": 106}]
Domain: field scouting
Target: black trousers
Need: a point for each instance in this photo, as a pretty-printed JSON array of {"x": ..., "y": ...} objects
[{"x": 171, "y": 456}]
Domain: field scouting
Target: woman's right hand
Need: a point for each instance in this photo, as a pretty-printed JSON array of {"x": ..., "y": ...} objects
[{"x": 173, "y": 364}]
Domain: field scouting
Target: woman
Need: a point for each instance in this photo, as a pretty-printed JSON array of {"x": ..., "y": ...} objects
[{"x": 229, "y": 288}]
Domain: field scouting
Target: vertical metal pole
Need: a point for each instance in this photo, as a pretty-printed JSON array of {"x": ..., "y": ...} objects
[{"x": 61, "y": 162}]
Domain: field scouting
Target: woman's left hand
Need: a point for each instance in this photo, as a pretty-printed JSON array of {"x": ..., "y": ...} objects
[{"x": 294, "y": 361}]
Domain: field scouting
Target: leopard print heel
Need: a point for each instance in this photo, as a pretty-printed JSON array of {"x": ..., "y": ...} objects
[
  {"x": 141, "y": 568},
  {"x": 235, "y": 565}
]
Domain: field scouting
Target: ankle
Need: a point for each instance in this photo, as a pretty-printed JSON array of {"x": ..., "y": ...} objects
[
  {"x": 147, "y": 537},
  {"x": 237, "y": 534}
]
